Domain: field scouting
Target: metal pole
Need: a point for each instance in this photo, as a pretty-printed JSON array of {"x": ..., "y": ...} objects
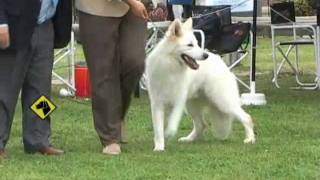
[
  {"x": 318, "y": 13},
  {"x": 268, "y": 7},
  {"x": 253, "y": 98},
  {"x": 254, "y": 41},
  {"x": 318, "y": 40}
]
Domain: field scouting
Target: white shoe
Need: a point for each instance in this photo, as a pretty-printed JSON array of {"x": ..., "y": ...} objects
[{"x": 112, "y": 149}]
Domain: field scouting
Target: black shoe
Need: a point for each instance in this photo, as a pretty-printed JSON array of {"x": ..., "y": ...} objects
[{"x": 49, "y": 150}]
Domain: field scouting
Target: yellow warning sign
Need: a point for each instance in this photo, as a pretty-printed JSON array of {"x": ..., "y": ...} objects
[{"x": 43, "y": 107}]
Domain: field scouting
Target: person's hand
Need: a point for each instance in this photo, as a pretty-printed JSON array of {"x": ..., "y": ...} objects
[
  {"x": 138, "y": 9},
  {"x": 4, "y": 37}
]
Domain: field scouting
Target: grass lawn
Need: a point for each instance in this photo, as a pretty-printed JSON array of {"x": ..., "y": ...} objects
[{"x": 288, "y": 141}]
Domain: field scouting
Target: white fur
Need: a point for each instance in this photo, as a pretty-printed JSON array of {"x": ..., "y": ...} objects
[{"x": 172, "y": 86}]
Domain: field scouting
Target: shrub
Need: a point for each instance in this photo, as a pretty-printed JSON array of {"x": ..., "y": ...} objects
[{"x": 304, "y": 7}]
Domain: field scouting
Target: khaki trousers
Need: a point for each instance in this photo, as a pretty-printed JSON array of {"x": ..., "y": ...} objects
[{"x": 114, "y": 49}]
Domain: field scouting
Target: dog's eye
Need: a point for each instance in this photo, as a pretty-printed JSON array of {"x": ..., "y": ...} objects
[{"x": 190, "y": 45}]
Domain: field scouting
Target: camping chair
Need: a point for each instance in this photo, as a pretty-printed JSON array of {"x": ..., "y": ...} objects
[
  {"x": 283, "y": 18},
  {"x": 221, "y": 35},
  {"x": 64, "y": 56}
]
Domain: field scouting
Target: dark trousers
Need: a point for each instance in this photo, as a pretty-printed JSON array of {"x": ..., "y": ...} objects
[
  {"x": 114, "y": 51},
  {"x": 27, "y": 70}
]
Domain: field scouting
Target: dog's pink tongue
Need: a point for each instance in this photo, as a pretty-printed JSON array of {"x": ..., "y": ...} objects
[
  {"x": 191, "y": 63},
  {"x": 196, "y": 66}
]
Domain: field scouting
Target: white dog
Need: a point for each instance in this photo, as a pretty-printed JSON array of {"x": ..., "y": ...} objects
[{"x": 176, "y": 80}]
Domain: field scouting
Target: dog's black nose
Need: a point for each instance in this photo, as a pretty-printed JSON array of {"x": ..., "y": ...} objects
[{"x": 205, "y": 55}]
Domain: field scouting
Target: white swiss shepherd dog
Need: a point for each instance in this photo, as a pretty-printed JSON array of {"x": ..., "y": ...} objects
[{"x": 182, "y": 75}]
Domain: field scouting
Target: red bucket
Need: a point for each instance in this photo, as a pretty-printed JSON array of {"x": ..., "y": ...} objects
[{"x": 82, "y": 81}]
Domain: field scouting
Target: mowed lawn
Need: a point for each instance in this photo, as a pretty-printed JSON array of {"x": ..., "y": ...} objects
[{"x": 288, "y": 140}]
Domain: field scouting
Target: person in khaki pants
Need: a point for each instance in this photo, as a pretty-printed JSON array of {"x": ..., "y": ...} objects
[{"x": 113, "y": 35}]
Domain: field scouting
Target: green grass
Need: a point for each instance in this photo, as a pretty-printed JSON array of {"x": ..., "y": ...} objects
[{"x": 288, "y": 141}]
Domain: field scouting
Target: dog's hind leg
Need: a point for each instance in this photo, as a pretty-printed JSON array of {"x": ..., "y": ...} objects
[
  {"x": 247, "y": 122},
  {"x": 221, "y": 122},
  {"x": 196, "y": 112},
  {"x": 158, "y": 126}
]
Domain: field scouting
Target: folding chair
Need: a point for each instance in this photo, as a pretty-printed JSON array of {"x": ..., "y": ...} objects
[
  {"x": 60, "y": 55},
  {"x": 221, "y": 35},
  {"x": 283, "y": 18},
  {"x": 67, "y": 54}
]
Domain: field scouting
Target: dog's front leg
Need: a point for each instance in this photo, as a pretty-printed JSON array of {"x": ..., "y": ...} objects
[
  {"x": 175, "y": 116},
  {"x": 157, "y": 111}
]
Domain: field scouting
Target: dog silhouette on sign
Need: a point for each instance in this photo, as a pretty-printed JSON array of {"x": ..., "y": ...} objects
[{"x": 44, "y": 106}]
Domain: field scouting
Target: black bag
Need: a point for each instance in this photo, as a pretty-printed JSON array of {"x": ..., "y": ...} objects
[{"x": 230, "y": 39}]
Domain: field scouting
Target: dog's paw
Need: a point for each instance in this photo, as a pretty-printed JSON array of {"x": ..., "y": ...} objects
[
  {"x": 157, "y": 149},
  {"x": 251, "y": 140},
  {"x": 185, "y": 140}
]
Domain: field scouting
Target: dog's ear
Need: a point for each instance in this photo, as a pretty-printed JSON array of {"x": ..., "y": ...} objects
[
  {"x": 188, "y": 24},
  {"x": 175, "y": 29}
]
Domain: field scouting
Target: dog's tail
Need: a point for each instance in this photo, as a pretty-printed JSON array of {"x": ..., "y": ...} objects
[{"x": 222, "y": 126}]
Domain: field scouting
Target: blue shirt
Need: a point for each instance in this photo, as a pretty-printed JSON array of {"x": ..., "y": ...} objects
[{"x": 47, "y": 11}]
